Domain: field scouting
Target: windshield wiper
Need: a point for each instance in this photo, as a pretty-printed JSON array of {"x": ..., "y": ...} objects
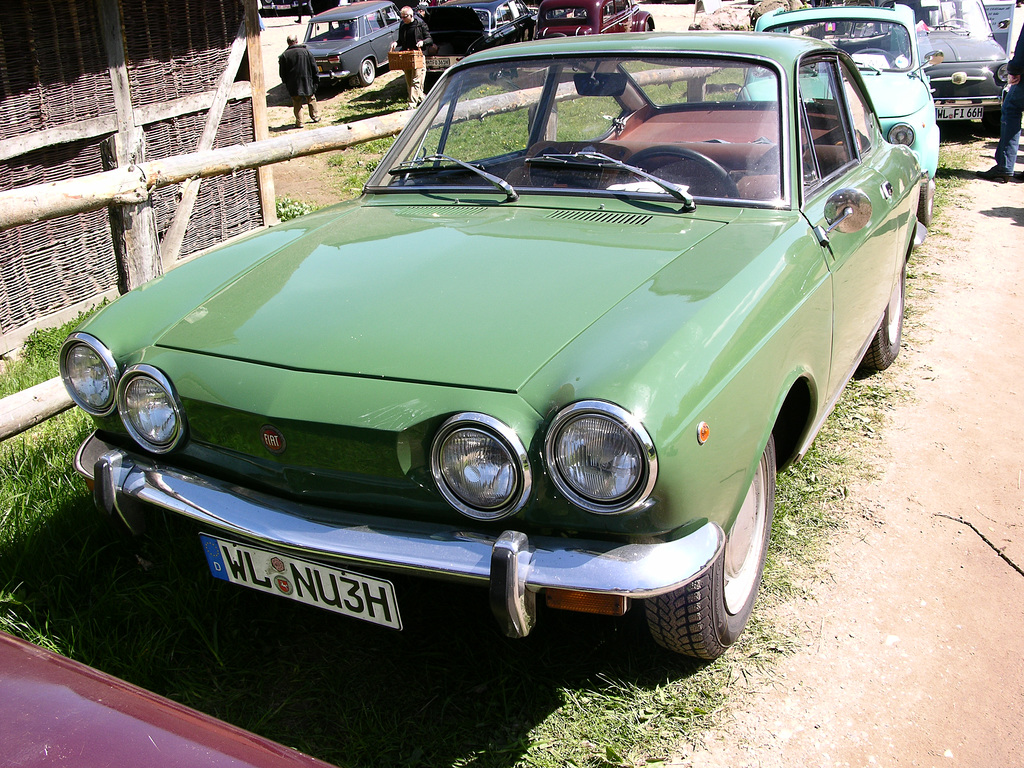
[
  {"x": 601, "y": 161},
  {"x": 428, "y": 164}
]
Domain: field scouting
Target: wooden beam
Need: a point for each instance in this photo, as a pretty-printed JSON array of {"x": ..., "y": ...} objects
[
  {"x": 31, "y": 406},
  {"x": 134, "y": 224},
  {"x": 170, "y": 246},
  {"x": 133, "y": 184},
  {"x": 260, "y": 120}
]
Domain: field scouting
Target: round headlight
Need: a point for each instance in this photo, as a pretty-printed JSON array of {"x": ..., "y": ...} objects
[
  {"x": 481, "y": 466},
  {"x": 1002, "y": 73},
  {"x": 150, "y": 409},
  {"x": 901, "y": 133},
  {"x": 89, "y": 374},
  {"x": 600, "y": 457}
]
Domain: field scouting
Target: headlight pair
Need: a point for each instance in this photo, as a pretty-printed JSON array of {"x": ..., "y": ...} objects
[
  {"x": 598, "y": 456},
  {"x": 144, "y": 397}
]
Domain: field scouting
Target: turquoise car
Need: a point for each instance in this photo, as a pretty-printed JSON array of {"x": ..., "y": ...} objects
[
  {"x": 597, "y": 294},
  {"x": 884, "y": 44}
]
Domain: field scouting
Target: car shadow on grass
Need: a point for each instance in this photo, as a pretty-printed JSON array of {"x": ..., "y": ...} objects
[{"x": 449, "y": 689}]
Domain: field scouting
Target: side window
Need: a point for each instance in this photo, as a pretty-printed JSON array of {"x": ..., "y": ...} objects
[
  {"x": 391, "y": 15},
  {"x": 502, "y": 15},
  {"x": 859, "y": 110},
  {"x": 823, "y": 117},
  {"x": 375, "y": 21},
  {"x": 608, "y": 10}
]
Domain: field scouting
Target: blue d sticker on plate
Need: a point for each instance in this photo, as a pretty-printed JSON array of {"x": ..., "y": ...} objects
[{"x": 213, "y": 557}]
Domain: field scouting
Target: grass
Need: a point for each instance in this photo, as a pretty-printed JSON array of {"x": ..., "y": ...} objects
[{"x": 447, "y": 691}]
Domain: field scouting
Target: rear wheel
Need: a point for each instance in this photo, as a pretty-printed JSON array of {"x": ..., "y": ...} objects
[
  {"x": 885, "y": 346},
  {"x": 367, "y": 72},
  {"x": 706, "y": 616}
]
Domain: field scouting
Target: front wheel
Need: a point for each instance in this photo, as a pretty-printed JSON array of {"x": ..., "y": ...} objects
[
  {"x": 706, "y": 616},
  {"x": 885, "y": 345},
  {"x": 926, "y": 202},
  {"x": 991, "y": 121}
]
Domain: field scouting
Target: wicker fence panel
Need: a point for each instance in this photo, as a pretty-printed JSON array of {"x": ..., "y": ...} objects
[
  {"x": 51, "y": 265},
  {"x": 227, "y": 205},
  {"x": 177, "y": 48},
  {"x": 53, "y": 69}
]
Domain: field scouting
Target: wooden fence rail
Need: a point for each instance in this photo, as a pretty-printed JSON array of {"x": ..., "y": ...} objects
[{"x": 132, "y": 185}]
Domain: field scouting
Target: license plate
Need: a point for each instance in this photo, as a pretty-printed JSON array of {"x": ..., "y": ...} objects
[
  {"x": 440, "y": 63},
  {"x": 345, "y": 592},
  {"x": 959, "y": 113}
]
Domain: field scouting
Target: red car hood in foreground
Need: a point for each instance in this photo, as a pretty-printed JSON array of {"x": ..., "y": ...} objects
[{"x": 55, "y": 711}]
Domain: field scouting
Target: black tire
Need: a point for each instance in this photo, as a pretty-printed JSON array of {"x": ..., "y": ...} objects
[
  {"x": 926, "y": 202},
  {"x": 706, "y": 616},
  {"x": 367, "y": 72},
  {"x": 885, "y": 346},
  {"x": 991, "y": 121}
]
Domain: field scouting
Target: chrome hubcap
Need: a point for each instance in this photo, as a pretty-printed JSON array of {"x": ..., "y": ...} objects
[
  {"x": 895, "y": 311},
  {"x": 746, "y": 540}
]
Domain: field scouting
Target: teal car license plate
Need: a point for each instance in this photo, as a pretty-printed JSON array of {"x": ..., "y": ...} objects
[
  {"x": 345, "y": 592},
  {"x": 959, "y": 113}
]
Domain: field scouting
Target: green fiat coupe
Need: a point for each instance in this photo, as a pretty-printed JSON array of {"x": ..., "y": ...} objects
[{"x": 597, "y": 294}]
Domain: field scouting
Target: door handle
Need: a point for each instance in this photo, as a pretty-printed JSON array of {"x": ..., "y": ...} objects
[{"x": 886, "y": 189}]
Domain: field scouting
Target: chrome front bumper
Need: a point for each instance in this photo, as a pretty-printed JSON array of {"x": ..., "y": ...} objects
[{"x": 514, "y": 566}]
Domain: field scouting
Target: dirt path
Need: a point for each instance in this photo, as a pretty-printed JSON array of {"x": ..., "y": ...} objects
[{"x": 913, "y": 645}]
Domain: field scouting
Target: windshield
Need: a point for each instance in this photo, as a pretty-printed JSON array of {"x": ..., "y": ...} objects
[
  {"x": 962, "y": 17},
  {"x": 879, "y": 45},
  {"x": 603, "y": 125},
  {"x": 321, "y": 31}
]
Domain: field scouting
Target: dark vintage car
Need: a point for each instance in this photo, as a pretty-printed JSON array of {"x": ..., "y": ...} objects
[
  {"x": 598, "y": 292},
  {"x": 968, "y": 84},
  {"x": 461, "y": 27},
  {"x": 567, "y": 18},
  {"x": 283, "y": 7},
  {"x": 352, "y": 42},
  {"x": 58, "y": 712}
]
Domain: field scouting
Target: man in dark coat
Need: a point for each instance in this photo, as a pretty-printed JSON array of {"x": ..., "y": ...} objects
[
  {"x": 298, "y": 71},
  {"x": 1010, "y": 124},
  {"x": 413, "y": 35}
]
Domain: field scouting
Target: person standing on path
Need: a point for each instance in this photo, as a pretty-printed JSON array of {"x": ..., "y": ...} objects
[
  {"x": 1010, "y": 124},
  {"x": 309, "y": 9},
  {"x": 298, "y": 71},
  {"x": 413, "y": 35}
]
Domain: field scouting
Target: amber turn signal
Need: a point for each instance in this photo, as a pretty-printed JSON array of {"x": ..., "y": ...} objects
[{"x": 586, "y": 602}]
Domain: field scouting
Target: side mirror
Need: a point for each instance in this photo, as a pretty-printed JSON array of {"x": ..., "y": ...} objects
[
  {"x": 847, "y": 210},
  {"x": 933, "y": 58}
]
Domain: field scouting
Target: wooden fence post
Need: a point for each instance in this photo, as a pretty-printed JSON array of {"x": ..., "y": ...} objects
[{"x": 133, "y": 225}]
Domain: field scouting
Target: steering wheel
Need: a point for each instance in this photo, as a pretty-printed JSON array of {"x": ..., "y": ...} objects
[
  {"x": 955, "y": 23},
  {"x": 669, "y": 161}
]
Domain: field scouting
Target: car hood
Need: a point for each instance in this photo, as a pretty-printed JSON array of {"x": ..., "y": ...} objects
[
  {"x": 461, "y": 295},
  {"x": 895, "y": 94},
  {"x": 442, "y": 19},
  {"x": 956, "y": 48}
]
